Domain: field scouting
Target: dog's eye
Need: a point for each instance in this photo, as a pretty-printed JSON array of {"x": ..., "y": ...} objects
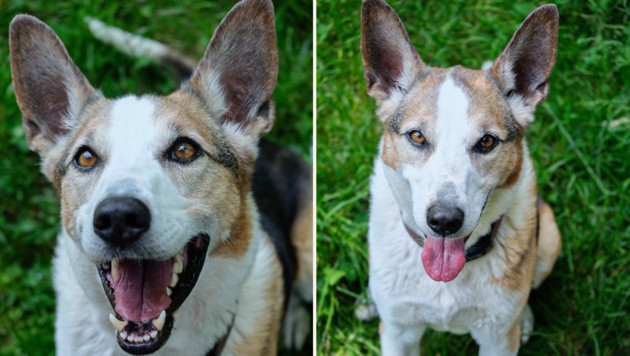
[
  {"x": 416, "y": 137},
  {"x": 85, "y": 158},
  {"x": 184, "y": 150},
  {"x": 486, "y": 143}
]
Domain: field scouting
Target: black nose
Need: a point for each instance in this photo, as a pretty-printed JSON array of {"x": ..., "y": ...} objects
[
  {"x": 121, "y": 221},
  {"x": 444, "y": 219}
]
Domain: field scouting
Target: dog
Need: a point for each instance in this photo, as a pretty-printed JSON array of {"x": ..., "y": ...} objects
[
  {"x": 457, "y": 235},
  {"x": 182, "y": 233}
]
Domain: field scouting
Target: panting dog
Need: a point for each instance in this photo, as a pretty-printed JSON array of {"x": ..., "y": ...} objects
[
  {"x": 457, "y": 234},
  {"x": 182, "y": 233}
]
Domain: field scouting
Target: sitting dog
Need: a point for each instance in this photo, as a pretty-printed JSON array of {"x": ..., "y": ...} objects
[
  {"x": 177, "y": 235},
  {"x": 457, "y": 235}
]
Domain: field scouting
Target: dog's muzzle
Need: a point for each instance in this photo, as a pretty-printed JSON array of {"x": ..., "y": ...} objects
[{"x": 144, "y": 293}]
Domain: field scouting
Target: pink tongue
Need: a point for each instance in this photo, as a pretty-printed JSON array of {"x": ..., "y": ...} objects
[
  {"x": 442, "y": 258},
  {"x": 140, "y": 289}
]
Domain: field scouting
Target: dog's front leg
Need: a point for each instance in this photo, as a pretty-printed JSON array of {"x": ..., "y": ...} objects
[
  {"x": 495, "y": 341},
  {"x": 398, "y": 340}
]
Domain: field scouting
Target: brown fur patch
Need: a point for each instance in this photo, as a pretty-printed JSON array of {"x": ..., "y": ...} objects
[
  {"x": 417, "y": 109},
  {"x": 515, "y": 174},
  {"x": 514, "y": 335},
  {"x": 302, "y": 238},
  {"x": 238, "y": 242},
  {"x": 230, "y": 186},
  {"x": 264, "y": 339},
  {"x": 520, "y": 250},
  {"x": 549, "y": 243}
]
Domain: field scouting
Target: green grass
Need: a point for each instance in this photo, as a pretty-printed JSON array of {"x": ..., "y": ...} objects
[
  {"x": 582, "y": 160},
  {"x": 30, "y": 214}
]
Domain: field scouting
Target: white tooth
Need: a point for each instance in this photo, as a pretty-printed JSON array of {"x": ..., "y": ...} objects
[
  {"x": 118, "y": 324},
  {"x": 178, "y": 266},
  {"x": 168, "y": 291},
  {"x": 159, "y": 322},
  {"x": 114, "y": 270},
  {"x": 146, "y": 338},
  {"x": 123, "y": 335},
  {"x": 174, "y": 280},
  {"x": 130, "y": 338},
  {"x": 137, "y": 339},
  {"x": 153, "y": 334}
]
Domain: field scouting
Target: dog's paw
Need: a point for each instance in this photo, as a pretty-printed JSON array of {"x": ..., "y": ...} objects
[
  {"x": 366, "y": 312},
  {"x": 527, "y": 324},
  {"x": 297, "y": 324}
]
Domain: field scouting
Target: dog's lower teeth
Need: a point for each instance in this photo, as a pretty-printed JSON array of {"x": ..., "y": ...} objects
[
  {"x": 153, "y": 334},
  {"x": 130, "y": 338},
  {"x": 146, "y": 338},
  {"x": 159, "y": 322},
  {"x": 178, "y": 266},
  {"x": 114, "y": 270},
  {"x": 123, "y": 335},
  {"x": 118, "y": 324},
  {"x": 174, "y": 280}
]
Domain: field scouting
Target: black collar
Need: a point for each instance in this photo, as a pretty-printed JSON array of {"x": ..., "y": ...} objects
[{"x": 479, "y": 249}]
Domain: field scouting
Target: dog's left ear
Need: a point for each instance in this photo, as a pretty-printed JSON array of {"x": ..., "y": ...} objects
[
  {"x": 238, "y": 71},
  {"x": 524, "y": 67}
]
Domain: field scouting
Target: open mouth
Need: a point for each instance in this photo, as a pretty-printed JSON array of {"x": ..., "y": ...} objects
[{"x": 146, "y": 293}]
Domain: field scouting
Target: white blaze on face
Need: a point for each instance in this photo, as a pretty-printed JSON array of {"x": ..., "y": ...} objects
[
  {"x": 132, "y": 167},
  {"x": 448, "y": 175}
]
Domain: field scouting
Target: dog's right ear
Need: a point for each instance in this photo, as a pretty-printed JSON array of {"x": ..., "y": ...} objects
[
  {"x": 391, "y": 62},
  {"x": 49, "y": 88},
  {"x": 238, "y": 72}
]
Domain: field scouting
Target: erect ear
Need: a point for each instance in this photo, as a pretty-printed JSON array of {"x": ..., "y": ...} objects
[
  {"x": 390, "y": 61},
  {"x": 50, "y": 89},
  {"x": 238, "y": 71},
  {"x": 524, "y": 67}
]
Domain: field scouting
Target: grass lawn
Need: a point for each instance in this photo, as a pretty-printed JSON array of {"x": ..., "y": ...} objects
[
  {"x": 580, "y": 143},
  {"x": 30, "y": 214}
]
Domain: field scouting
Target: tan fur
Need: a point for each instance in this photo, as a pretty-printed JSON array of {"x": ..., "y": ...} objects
[
  {"x": 302, "y": 238},
  {"x": 238, "y": 242},
  {"x": 549, "y": 243},
  {"x": 520, "y": 247},
  {"x": 514, "y": 336},
  {"x": 515, "y": 173},
  {"x": 263, "y": 341}
]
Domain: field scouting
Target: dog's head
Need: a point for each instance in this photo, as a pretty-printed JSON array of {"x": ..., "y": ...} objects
[
  {"x": 453, "y": 136},
  {"x": 150, "y": 186}
]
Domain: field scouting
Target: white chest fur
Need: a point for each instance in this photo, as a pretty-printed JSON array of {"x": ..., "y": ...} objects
[{"x": 404, "y": 293}]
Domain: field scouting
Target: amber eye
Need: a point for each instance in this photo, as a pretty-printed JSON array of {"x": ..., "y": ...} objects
[
  {"x": 184, "y": 150},
  {"x": 85, "y": 158},
  {"x": 416, "y": 137},
  {"x": 486, "y": 143}
]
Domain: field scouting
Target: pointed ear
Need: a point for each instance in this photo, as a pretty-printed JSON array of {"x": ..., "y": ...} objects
[
  {"x": 238, "y": 71},
  {"x": 49, "y": 88},
  {"x": 524, "y": 67},
  {"x": 391, "y": 62}
]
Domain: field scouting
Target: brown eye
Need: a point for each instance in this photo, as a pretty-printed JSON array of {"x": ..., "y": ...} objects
[
  {"x": 184, "y": 150},
  {"x": 486, "y": 143},
  {"x": 416, "y": 137},
  {"x": 85, "y": 158}
]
